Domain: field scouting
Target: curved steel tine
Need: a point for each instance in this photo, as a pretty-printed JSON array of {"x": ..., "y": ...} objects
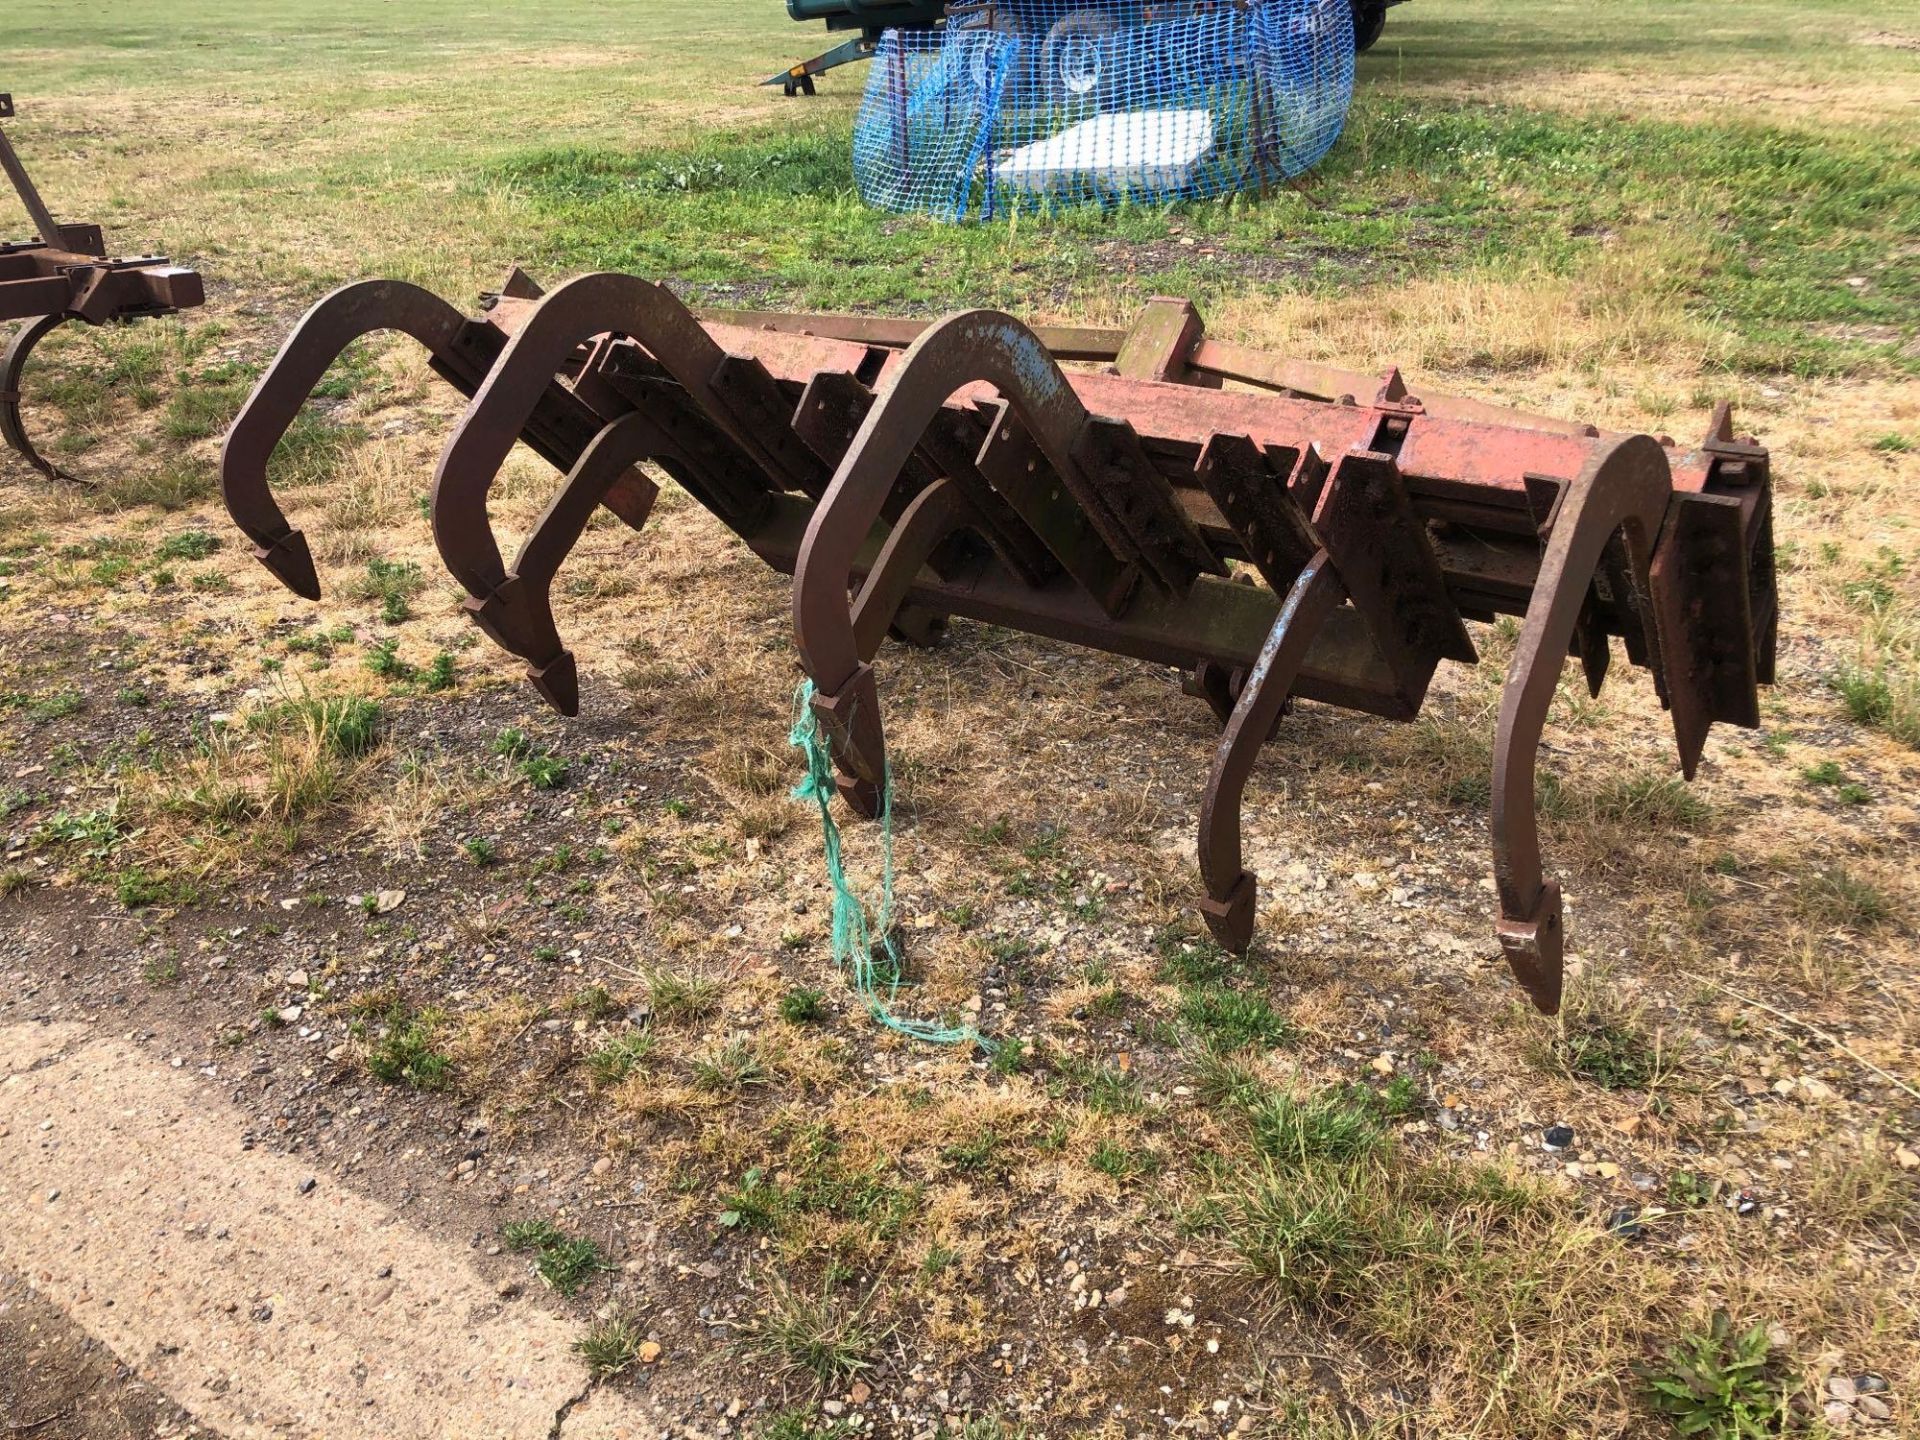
[
  {"x": 12, "y": 428},
  {"x": 316, "y": 342},
  {"x": 1623, "y": 488},
  {"x": 518, "y": 615},
  {"x": 579, "y": 310},
  {"x": 975, "y": 345},
  {"x": 932, "y": 515},
  {"x": 1230, "y": 903}
]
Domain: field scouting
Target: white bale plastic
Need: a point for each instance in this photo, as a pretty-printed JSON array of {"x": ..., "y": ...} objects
[{"x": 1128, "y": 150}]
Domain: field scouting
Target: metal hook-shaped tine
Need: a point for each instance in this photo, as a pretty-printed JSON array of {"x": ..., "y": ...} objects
[
  {"x": 578, "y": 311},
  {"x": 12, "y": 428},
  {"x": 1623, "y": 488},
  {"x": 518, "y": 615},
  {"x": 930, "y": 517},
  {"x": 973, "y": 346},
  {"x": 1230, "y": 903},
  {"x": 316, "y": 342}
]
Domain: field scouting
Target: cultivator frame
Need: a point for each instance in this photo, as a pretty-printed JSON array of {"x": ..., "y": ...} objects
[
  {"x": 905, "y": 472},
  {"x": 64, "y": 274}
]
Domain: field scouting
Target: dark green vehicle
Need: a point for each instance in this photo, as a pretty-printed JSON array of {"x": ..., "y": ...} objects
[{"x": 870, "y": 17}]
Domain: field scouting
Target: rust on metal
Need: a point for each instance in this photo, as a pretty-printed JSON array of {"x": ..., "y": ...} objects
[
  {"x": 64, "y": 274},
  {"x": 1128, "y": 491}
]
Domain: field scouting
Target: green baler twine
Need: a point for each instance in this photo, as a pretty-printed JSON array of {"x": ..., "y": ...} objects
[{"x": 871, "y": 969}]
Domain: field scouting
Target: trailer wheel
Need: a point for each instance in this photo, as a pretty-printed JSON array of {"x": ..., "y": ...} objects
[
  {"x": 1369, "y": 19},
  {"x": 981, "y": 30},
  {"x": 1070, "y": 60}
]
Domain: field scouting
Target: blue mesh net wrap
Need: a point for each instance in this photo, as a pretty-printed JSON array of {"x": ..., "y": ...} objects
[{"x": 1028, "y": 105}]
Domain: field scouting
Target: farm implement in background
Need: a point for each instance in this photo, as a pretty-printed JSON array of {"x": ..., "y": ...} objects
[
  {"x": 1064, "y": 35},
  {"x": 65, "y": 274},
  {"x": 1310, "y": 533}
]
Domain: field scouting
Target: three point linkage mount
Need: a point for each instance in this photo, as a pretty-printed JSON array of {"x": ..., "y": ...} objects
[
  {"x": 65, "y": 274},
  {"x": 1309, "y": 533}
]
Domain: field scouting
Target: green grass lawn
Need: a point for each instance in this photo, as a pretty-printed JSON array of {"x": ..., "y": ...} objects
[{"x": 286, "y": 147}]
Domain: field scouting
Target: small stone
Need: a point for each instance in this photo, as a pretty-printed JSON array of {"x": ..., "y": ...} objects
[
  {"x": 1607, "y": 1170},
  {"x": 1841, "y": 1387},
  {"x": 1625, "y": 1222},
  {"x": 860, "y": 1393},
  {"x": 1629, "y": 1125},
  {"x": 1558, "y": 1137},
  {"x": 649, "y": 1351},
  {"x": 1381, "y": 1064},
  {"x": 306, "y": 1185},
  {"x": 833, "y": 1408},
  {"x": 1907, "y": 1159},
  {"x": 290, "y": 1014},
  {"x": 388, "y": 901},
  {"x": 1869, "y": 1384},
  {"x": 1839, "y": 1415},
  {"x": 1874, "y": 1408}
]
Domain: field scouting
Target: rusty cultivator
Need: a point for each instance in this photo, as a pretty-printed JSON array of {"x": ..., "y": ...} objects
[
  {"x": 66, "y": 274},
  {"x": 1307, "y": 533}
]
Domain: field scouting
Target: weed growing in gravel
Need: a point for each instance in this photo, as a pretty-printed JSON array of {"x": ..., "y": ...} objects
[
  {"x": 735, "y": 1066},
  {"x": 348, "y": 726},
  {"x": 564, "y": 1262},
  {"x": 801, "y": 1006},
  {"x": 815, "y": 1182},
  {"x": 161, "y": 970},
  {"x": 610, "y": 1346},
  {"x": 383, "y": 659},
  {"x": 1233, "y": 1019},
  {"x": 54, "y": 705},
  {"x": 798, "y": 1422},
  {"x": 1613, "y": 1056},
  {"x": 544, "y": 771},
  {"x": 676, "y": 995},
  {"x": 823, "y": 1336},
  {"x": 1720, "y": 1385},
  {"x": 402, "y": 1051},
  {"x": 1299, "y": 1133},
  {"x": 1123, "y": 1162},
  {"x": 137, "y": 889},
  {"x": 187, "y": 545},
  {"x": 393, "y": 583},
  {"x": 1108, "y": 1089},
  {"x": 620, "y": 1056},
  {"x": 537, "y": 765},
  {"x": 596, "y": 1002},
  {"x": 98, "y": 833},
  {"x": 1660, "y": 802},
  {"x": 1835, "y": 895},
  {"x": 480, "y": 850}
]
